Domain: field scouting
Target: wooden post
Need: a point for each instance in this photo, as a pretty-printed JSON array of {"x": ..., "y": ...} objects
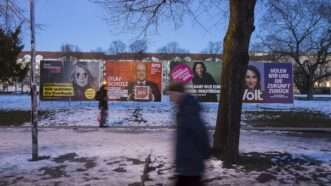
[{"x": 34, "y": 101}]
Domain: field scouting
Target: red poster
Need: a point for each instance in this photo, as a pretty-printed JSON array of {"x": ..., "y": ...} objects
[{"x": 134, "y": 80}]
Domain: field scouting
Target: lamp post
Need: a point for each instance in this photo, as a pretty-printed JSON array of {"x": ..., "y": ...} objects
[{"x": 33, "y": 85}]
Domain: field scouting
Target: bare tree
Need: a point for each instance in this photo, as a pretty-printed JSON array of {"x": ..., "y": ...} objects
[
  {"x": 213, "y": 48},
  {"x": 11, "y": 14},
  {"x": 138, "y": 46},
  {"x": 172, "y": 48},
  {"x": 116, "y": 47},
  {"x": 70, "y": 52},
  {"x": 69, "y": 48},
  {"x": 300, "y": 30},
  {"x": 235, "y": 59},
  {"x": 98, "y": 49},
  {"x": 146, "y": 13},
  {"x": 325, "y": 11}
]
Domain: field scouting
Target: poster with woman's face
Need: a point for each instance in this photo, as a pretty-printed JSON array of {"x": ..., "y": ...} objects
[
  {"x": 268, "y": 83},
  {"x": 254, "y": 83},
  {"x": 263, "y": 82},
  {"x": 77, "y": 80},
  {"x": 202, "y": 79}
]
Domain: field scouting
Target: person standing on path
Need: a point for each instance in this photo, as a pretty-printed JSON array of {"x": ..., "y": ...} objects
[
  {"x": 102, "y": 97},
  {"x": 192, "y": 142}
]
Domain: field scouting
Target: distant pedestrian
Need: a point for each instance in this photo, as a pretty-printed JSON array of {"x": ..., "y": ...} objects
[
  {"x": 192, "y": 142},
  {"x": 102, "y": 97}
]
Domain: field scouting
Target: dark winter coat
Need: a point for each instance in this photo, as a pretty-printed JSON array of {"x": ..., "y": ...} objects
[
  {"x": 102, "y": 97},
  {"x": 192, "y": 143}
]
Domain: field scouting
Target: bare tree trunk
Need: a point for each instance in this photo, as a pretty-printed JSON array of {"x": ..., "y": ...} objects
[
  {"x": 236, "y": 46},
  {"x": 310, "y": 91},
  {"x": 15, "y": 86}
]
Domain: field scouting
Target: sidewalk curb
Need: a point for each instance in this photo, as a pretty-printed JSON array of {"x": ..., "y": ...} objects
[{"x": 290, "y": 129}]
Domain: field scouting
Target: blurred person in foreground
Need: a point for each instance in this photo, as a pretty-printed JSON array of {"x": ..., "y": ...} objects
[
  {"x": 192, "y": 142},
  {"x": 102, "y": 97}
]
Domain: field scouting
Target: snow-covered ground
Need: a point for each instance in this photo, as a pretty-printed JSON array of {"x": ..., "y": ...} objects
[
  {"x": 150, "y": 114},
  {"x": 117, "y": 156},
  {"x": 108, "y": 156}
]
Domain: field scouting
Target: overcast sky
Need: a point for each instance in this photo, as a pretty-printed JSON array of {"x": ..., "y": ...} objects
[{"x": 82, "y": 23}]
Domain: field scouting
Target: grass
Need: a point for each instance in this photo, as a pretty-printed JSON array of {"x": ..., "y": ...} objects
[
  {"x": 265, "y": 118},
  {"x": 305, "y": 119},
  {"x": 18, "y": 118}
]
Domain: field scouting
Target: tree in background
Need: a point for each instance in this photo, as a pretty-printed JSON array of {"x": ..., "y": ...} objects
[
  {"x": 301, "y": 31},
  {"x": 138, "y": 46},
  {"x": 117, "y": 47},
  {"x": 213, "y": 48},
  {"x": 20, "y": 73},
  {"x": 145, "y": 13},
  {"x": 70, "y": 52},
  {"x": 11, "y": 15},
  {"x": 325, "y": 11},
  {"x": 99, "y": 50},
  {"x": 69, "y": 48},
  {"x": 10, "y": 48},
  {"x": 172, "y": 48}
]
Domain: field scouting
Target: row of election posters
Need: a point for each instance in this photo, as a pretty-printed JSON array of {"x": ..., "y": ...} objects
[{"x": 142, "y": 81}]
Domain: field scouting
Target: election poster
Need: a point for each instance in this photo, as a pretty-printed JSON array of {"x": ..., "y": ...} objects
[
  {"x": 263, "y": 82},
  {"x": 133, "y": 80},
  {"x": 268, "y": 83},
  {"x": 76, "y": 80},
  {"x": 202, "y": 79}
]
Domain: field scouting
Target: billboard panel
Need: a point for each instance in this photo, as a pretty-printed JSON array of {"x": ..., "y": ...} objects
[
  {"x": 202, "y": 79},
  {"x": 61, "y": 80},
  {"x": 134, "y": 80},
  {"x": 264, "y": 82},
  {"x": 268, "y": 83}
]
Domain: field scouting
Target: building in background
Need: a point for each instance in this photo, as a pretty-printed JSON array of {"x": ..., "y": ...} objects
[{"x": 165, "y": 59}]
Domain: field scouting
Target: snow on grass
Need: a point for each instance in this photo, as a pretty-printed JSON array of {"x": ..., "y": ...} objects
[
  {"x": 22, "y": 102},
  {"x": 155, "y": 114},
  {"x": 116, "y": 157}
]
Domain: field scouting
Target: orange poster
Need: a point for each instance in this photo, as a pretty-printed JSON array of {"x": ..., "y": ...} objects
[{"x": 133, "y": 80}]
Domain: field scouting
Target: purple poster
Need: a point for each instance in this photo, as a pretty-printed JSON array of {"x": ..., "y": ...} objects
[
  {"x": 268, "y": 83},
  {"x": 278, "y": 83}
]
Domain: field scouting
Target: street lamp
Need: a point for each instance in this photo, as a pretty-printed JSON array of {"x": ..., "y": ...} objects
[{"x": 33, "y": 85}]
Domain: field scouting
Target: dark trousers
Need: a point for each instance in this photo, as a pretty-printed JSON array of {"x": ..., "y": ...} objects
[
  {"x": 188, "y": 181},
  {"x": 103, "y": 117}
]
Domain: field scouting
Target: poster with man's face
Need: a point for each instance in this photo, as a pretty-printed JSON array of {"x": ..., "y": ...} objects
[
  {"x": 202, "y": 79},
  {"x": 76, "y": 80},
  {"x": 133, "y": 80}
]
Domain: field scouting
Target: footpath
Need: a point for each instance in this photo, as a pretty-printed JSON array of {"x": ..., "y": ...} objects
[{"x": 123, "y": 156}]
